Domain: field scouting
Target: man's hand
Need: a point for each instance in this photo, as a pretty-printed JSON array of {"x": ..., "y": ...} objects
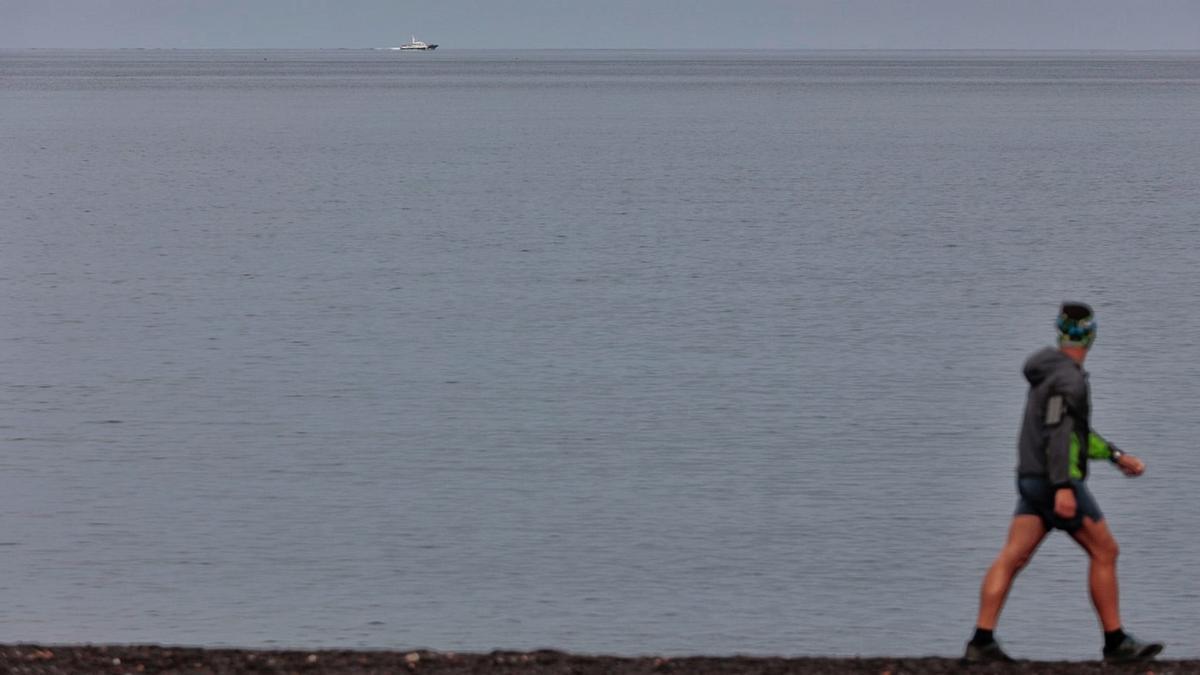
[
  {"x": 1064, "y": 503},
  {"x": 1130, "y": 466}
]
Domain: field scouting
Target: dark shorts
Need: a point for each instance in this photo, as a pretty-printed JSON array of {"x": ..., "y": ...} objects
[{"x": 1037, "y": 499}]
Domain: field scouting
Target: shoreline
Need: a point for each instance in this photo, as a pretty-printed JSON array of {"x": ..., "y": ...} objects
[{"x": 140, "y": 659}]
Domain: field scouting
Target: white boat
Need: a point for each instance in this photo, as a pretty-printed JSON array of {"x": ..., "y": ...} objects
[{"x": 416, "y": 44}]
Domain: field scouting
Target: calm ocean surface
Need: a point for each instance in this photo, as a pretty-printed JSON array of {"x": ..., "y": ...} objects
[{"x": 622, "y": 352}]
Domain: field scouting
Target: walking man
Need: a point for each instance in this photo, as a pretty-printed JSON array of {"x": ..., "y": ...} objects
[{"x": 1055, "y": 444}]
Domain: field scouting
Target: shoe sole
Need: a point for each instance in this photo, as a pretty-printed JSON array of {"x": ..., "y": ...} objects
[
  {"x": 1146, "y": 654},
  {"x": 983, "y": 662},
  {"x": 964, "y": 661}
]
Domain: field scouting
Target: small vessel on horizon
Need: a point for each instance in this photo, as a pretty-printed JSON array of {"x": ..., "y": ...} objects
[{"x": 416, "y": 44}]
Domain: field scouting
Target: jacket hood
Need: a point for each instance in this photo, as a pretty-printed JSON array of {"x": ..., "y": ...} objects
[{"x": 1045, "y": 362}]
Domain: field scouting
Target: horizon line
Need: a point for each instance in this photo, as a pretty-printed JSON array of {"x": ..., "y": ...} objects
[{"x": 674, "y": 49}]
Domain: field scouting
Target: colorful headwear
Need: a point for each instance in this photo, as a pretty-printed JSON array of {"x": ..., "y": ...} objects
[{"x": 1076, "y": 325}]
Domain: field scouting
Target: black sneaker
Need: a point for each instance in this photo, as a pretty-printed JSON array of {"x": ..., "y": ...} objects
[
  {"x": 1131, "y": 650},
  {"x": 989, "y": 653}
]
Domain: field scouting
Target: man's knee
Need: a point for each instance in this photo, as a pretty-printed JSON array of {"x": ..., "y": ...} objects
[
  {"x": 1016, "y": 558},
  {"x": 1107, "y": 551}
]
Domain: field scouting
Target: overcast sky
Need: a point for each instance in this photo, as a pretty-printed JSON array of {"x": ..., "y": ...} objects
[{"x": 475, "y": 24}]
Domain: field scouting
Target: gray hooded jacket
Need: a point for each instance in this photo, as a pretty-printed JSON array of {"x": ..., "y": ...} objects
[{"x": 1056, "y": 438}]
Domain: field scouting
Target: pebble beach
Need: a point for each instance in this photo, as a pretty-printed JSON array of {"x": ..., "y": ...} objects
[{"x": 90, "y": 659}]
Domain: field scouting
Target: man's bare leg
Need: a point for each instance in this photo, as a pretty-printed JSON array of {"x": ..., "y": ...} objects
[
  {"x": 1024, "y": 536},
  {"x": 1102, "y": 549}
]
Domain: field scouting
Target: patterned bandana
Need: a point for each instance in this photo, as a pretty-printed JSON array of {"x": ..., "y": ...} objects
[{"x": 1076, "y": 325}]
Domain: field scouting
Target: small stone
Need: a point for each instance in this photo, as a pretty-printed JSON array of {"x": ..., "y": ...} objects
[
  {"x": 116, "y": 661},
  {"x": 412, "y": 658},
  {"x": 312, "y": 658}
]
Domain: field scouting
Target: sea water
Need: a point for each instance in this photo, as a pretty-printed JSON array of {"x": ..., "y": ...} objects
[{"x": 604, "y": 351}]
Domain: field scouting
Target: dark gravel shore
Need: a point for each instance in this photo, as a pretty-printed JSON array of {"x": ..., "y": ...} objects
[{"x": 115, "y": 660}]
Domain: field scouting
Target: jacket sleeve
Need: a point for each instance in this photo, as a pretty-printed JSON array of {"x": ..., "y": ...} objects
[
  {"x": 1099, "y": 448},
  {"x": 1061, "y": 450}
]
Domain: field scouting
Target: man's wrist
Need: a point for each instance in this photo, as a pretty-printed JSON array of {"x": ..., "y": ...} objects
[{"x": 1115, "y": 454}]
